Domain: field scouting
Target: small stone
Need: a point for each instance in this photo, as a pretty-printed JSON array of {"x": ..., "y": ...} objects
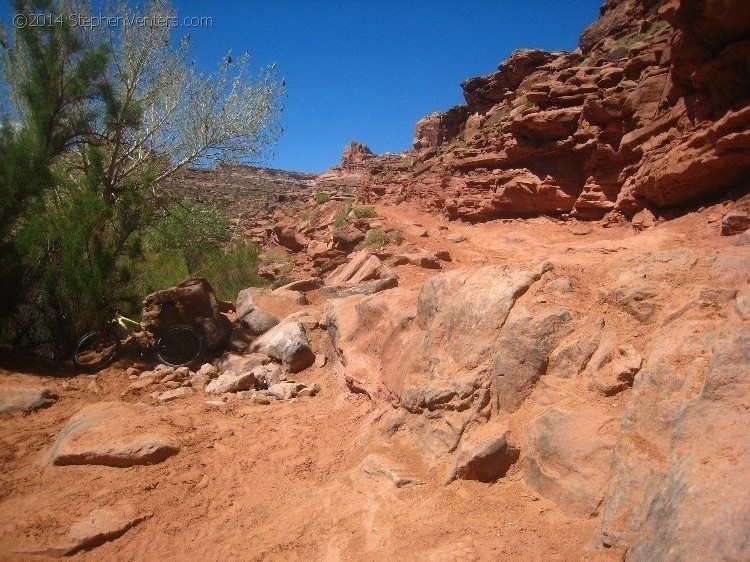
[
  {"x": 171, "y": 377},
  {"x": 198, "y": 381},
  {"x": 229, "y": 381},
  {"x": 267, "y": 375},
  {"x": 163, "y": 369},
  {"x": 132, "y": 372},
  {"x": 174, "y": 394},
  {"x": 417, "y": 231},
  {"x": 25, "y": 399},
  {"x": 173, "y": 384},
  {"x": 308, "y": 391},
  {"x": 138, "y": 384},
  {"x": 208, "y": 370},
  {"x": 283, "y": 390},
  {"x": 320, "y": 360},
  {"x": 258, "y": 398},
  {"x": 103, "y": 525},
  {"x": 455, "y": 238}
]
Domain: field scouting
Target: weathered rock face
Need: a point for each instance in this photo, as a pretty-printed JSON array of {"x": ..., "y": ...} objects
[
  {"x": 569, "y": 457},
  {"x": 349, "y": 173},
  {"x": 667, "y": 471},
  {"x": 194, "y": 303},
  {"x": 243, "y": 193},
  {"x": 699, "y": 507},
  {"x": 653, "y": 113}
]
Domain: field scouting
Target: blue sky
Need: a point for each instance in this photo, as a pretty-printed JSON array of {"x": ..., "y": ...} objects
[{"x": 368, "y": 70}]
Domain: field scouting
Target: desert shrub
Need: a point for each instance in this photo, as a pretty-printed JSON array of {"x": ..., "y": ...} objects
[
  {"x": 97, "y": 123},
  {"x": 340, "y": 219},
  {"x": 396, "y": 237},
  {"x": 322, "y": 197},
  {"x": 194, "y": 229},
  {"x": 363, "y": 212},
  {"x": 377, "y": 238}
]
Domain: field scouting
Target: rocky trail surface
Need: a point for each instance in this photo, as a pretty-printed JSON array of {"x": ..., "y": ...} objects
[
  {"x": 526, "y": 338},
  {"x": 556, "y": 391}
]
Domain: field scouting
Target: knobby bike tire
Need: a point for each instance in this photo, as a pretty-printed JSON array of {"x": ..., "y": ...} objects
[
  {"x": 96, "y": 350},
  {"x": 179, "y": 346}
]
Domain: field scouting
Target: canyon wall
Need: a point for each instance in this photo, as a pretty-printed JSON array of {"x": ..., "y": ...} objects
[{"x": 650, "y": 114}]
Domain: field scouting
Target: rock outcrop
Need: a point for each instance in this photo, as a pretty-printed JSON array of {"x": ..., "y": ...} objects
[
  {"x": 192, "y": 302},
  {"x": 650, "y": 113}
]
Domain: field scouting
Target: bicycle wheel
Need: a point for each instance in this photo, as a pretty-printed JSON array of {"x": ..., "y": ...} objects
[
  {"x": 180, "y": 345},
  {"x": 96, "y": 350}
]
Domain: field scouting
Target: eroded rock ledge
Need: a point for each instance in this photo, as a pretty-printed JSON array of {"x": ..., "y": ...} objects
[{"x": 650, "y": 113}]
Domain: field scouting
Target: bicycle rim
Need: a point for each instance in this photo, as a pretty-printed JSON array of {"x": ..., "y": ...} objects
[
  {"x": 96, "y": 350},
  {"x": 180, "y": 345}
]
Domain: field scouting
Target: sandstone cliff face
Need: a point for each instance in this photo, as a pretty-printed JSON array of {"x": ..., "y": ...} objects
[
  {"x": 650, "y": 113},
  {"x": 246, "y": 194}
]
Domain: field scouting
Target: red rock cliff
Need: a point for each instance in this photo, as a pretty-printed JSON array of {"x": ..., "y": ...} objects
[{"x": 650, "y": 113}]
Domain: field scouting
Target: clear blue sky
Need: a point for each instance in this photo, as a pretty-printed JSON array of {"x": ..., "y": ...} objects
[{"x": 369, "y": 70}]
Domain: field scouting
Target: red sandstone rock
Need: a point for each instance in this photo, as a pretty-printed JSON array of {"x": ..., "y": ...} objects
[{"x": 654, "y": 115}]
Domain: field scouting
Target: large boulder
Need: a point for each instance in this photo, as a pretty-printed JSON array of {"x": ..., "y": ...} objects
[
  {"x": 192, "y": 302},
  {"x": 368, "y": 334},
  {"x": 229, "y": 381},
  {"x": 484, "y": 455},
  {"x": 523, "y": 354},
  {"x": 683, "y": 449},
  {"x": 257, "y": 320},
  {"x": 113, "y": 434},
  {"x": 674, "y": 365},
  {"x": 286, "y": 343},
  {"x": 362, "y": 266}
]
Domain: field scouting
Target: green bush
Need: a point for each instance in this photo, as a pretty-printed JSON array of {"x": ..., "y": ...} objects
[
  {"x": 363, "y": 212},
  {"x": 350, "y": 208},
  {"x": 231, "y": 269},
  {"x": 377, "y": 238},
  {"x": 322, "y": 197},
  {"x": 340, "y": 218}
]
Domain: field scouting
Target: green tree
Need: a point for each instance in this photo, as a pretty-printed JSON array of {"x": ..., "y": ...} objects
[
  {"x": 195, "y": 230},
  {"x": 94, "y": 124}
]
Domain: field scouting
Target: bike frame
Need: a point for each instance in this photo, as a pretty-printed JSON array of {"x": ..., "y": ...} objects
[{"x": 125, "y": 323}]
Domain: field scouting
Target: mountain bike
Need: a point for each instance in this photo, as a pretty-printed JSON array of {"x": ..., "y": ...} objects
[{"x": 178, "y": 346}]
